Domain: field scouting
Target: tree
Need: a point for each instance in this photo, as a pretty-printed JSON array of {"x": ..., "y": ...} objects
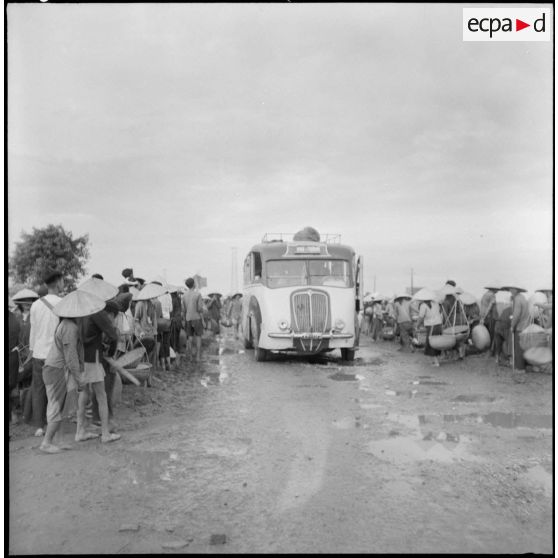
[{"x": 48, "y": 248}]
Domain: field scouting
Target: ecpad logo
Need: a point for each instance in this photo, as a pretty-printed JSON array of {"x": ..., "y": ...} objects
[{"x": 507, "y": 24}]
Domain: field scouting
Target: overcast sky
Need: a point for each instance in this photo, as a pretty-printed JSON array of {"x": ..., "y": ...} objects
[{"x": 171, "y": 133}]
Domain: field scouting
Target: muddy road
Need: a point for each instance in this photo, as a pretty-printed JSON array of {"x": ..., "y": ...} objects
[{"x": 386, "y": 454}]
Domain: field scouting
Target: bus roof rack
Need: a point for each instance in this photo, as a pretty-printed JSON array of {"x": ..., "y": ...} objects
[{"x": 328, "y": 238}]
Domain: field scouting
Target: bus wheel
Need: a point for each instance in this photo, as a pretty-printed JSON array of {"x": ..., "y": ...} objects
[
  {"x": 247, "y": 340},
  {"x": 347, "y": 354},
  {"x": 260, "y": 355}
]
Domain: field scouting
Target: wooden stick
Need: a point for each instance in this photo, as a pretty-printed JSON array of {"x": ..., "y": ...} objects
[{"x": 123, "y": 372}]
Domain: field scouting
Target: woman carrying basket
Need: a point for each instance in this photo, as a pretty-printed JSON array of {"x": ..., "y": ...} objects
[{"x": 430, "y": 315}]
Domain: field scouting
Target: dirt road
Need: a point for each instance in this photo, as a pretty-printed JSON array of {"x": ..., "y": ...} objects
[{"x": 386, "y": 454}]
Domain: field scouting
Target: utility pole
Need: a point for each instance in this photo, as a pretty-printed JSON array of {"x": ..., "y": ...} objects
[
  {"x": 412, "y": 292},
  {"x": 234, "y": 271}
]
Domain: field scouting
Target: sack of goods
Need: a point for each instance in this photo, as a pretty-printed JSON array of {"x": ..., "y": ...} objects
[
  {"x": 533, "y": 336},
  {"x": 538, "y": 356},
  {"x": 480, "y": 337}
]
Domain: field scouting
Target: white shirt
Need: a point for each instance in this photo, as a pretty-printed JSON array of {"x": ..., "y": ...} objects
[
  {"x": 43, "y": 325},
  {"x": 166, "y": 305},
  {"x": 432, "y": 316}
]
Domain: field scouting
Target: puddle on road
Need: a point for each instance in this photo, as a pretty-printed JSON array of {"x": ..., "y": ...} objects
[
  {"x": 339, "y": 377},
  {"x": 474, "y": 398},
  {"x": 429, "y": 383},
  {"x": 234, "y": 448},
  {"x": 504, "y": 420},
  {"x": 347, "y": 423},
  {"x": 406, "y": 393},
  {"x": 408, "y": 449}
]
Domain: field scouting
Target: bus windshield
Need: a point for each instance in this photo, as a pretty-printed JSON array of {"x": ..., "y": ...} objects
[{"x": 300, "y": 273}]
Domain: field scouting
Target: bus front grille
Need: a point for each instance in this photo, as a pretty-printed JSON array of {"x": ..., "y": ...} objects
[{"x": 310, "y": 312}]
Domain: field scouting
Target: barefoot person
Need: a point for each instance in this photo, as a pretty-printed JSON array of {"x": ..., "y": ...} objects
[
  {"x": 93, "y": 328},
  {"x": 192, "y": 308},
  {"x": 64, "y": 362},
  {"x": 430, "y": 315},
  {"x": 43, "y": 324}
]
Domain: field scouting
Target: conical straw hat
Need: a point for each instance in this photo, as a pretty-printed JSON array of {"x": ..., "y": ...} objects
[
  {"x": 78, "y": 304},
  {"x": 448, "y": 289},
  {"x": 402, "y": 295},
  {"x": 467, "y": 298},
  {"x": 151, "y": 290},
  {"x": 99, "y": 288},
  {"x": 25, "y": 294},
  {"x": 425, "y": 294}
]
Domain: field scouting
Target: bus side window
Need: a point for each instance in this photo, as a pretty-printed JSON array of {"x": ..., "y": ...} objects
[{"x": 257, "y": 268}]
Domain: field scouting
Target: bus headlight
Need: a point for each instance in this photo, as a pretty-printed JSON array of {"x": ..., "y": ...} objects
[
  {"x": 283, "y": 325},
  {"x": 339, "y": 325}
]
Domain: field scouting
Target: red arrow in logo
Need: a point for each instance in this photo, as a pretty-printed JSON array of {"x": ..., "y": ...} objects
[{"x": 519, "y": 25}]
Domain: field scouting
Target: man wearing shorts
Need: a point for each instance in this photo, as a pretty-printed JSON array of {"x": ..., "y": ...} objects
[
  {"x": 192, "y": 308},
  {"x": 93, "y": 328}
]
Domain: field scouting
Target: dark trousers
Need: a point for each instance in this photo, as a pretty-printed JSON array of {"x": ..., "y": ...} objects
[
  {"x": 519, "y": 363},
  {"x": 38, "y": 395},
  {"x": 405, "y": 332},
  {"x": 175, "y": 335},
  {"x": 13, "y": 367}
]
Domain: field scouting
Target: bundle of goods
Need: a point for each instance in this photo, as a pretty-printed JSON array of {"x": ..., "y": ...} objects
[
  {"x": 442, "y": 342},
  {"x": 307, "y": 233},
  {"x": 480, "y": 337},
  {"x": 533, "y": 336},
  {"x": 388, "y": 332}
]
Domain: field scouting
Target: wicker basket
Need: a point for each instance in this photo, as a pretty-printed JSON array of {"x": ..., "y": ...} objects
[
  {"x": 460, "y": 332},
  {"x": 442, "y": 342},
  {"x": 538, "y": 356},
  {"x": 533, "y": 336},
  {"x": 131, "y": 358},
  {"x": 141, "y": 372}
]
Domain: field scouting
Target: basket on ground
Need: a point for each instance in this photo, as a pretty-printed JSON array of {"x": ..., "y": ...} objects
[
  {"x": 141, "y": 372},
  {"x": 131, "y": 358},
  {"x": 442, "y": 342},
  {"x": 538, "y": 356},
  {"x": 460, "y": 332}
]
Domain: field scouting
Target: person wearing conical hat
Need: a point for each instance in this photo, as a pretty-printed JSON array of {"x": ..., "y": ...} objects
[
  {"x": 43, "y": 323},
  {"x": 430, "y": 315},
  {"x": 64, "y": 362},
  {"x": 402, "y": 312},
  {"x": 97, "y": 373},
  {"x": 520, "y": 319},
  {"x": 489, "y": 311}
]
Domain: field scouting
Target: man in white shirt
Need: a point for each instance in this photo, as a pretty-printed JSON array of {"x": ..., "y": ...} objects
[{"x": 43, "y": 323}]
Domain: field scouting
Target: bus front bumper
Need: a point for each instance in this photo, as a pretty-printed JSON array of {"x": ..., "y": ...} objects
[{"x": 314, "y": 335}]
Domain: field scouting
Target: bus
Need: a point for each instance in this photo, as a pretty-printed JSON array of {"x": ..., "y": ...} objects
[{"x": 301, "y": 296}]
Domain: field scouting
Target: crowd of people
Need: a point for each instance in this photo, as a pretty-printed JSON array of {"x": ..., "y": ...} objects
[
  {"x": 451, "y": 316},
  {"x": 59, "y": 344}
]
